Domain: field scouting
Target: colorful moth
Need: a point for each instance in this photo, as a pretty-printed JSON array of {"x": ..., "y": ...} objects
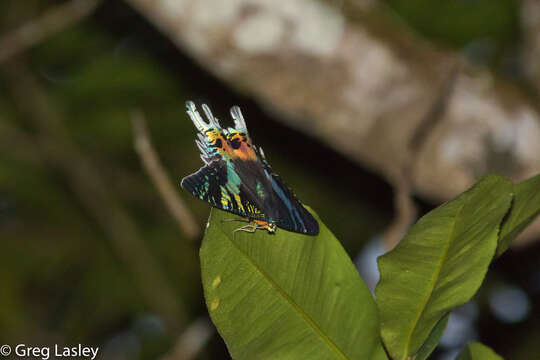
[{"x": 237, "y": 178}]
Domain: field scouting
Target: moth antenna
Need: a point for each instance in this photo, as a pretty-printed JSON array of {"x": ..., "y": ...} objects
[
  {"x": 239, "y": 122},
  {"x": 200, "y": 124},
  {"x": 213, "y": 121}
]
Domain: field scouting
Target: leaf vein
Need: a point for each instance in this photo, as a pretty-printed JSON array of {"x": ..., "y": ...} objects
[
  {"x": 290, "y": 301},
  {"x": 433, "y": 282}
]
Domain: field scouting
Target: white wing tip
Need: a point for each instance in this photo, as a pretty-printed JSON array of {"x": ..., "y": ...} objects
[
  {"x": 213, "y": 122},
  {"x": 239, "y": 121},
  {"x": 197, "y": 119}
]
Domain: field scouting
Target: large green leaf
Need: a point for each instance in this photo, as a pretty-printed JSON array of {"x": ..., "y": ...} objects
[
  {"x": 477, "y": 351},
  {"x": 525, "y": 208},
  {"x": 286, "y": 295},
  {"x": 439, "y": 264}
]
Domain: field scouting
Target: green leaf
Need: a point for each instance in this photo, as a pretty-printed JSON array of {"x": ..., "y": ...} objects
[
  {"x": 379, "y": 354},
  {"x": 286, "y": 295},
  {"x": 439, "y": 264},
  {"x": 433, "y": 339},
  {"x": 477, "y": 351},
  {"x": 525, "y": 208}
]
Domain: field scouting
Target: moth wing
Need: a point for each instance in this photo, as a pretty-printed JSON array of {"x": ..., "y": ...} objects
[
  {"x": 212, "y": 183},
  {"x": 292, "y": 215}
]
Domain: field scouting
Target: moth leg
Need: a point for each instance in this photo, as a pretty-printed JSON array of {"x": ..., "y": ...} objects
[
  {"x": 236, "y": 219},
  {"x": 250, "y": 228}
]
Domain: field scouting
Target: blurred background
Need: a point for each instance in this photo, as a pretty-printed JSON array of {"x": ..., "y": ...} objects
[{"x": 372, "y": 111}]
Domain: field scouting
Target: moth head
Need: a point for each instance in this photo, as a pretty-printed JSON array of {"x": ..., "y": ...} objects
[{"x": 271, "y": 228}]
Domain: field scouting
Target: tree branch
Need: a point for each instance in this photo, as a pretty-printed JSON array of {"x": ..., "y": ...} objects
[
  {"x": 169, "y": 194},
  {"x": 403, "y": 182},
  {"x": 52, "y": 21}
]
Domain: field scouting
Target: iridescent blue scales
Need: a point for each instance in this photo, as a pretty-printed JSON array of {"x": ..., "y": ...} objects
[{"x": 237, "y": 178}]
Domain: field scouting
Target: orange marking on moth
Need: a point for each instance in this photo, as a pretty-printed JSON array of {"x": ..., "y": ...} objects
[
  {"x": 244, "y": 150},
  {"x": 219, "y": 141}
]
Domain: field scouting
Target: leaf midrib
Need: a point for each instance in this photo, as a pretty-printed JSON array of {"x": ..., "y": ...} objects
[
  {"x": 433, "y": 283},
  {"x": 290, "y": 301}
]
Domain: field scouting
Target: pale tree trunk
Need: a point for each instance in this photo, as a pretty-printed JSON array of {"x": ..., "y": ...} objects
[{"x": 364, "y": 84}]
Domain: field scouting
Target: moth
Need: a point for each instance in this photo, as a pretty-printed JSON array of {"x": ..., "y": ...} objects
[{"x": 237, "y": 178}]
